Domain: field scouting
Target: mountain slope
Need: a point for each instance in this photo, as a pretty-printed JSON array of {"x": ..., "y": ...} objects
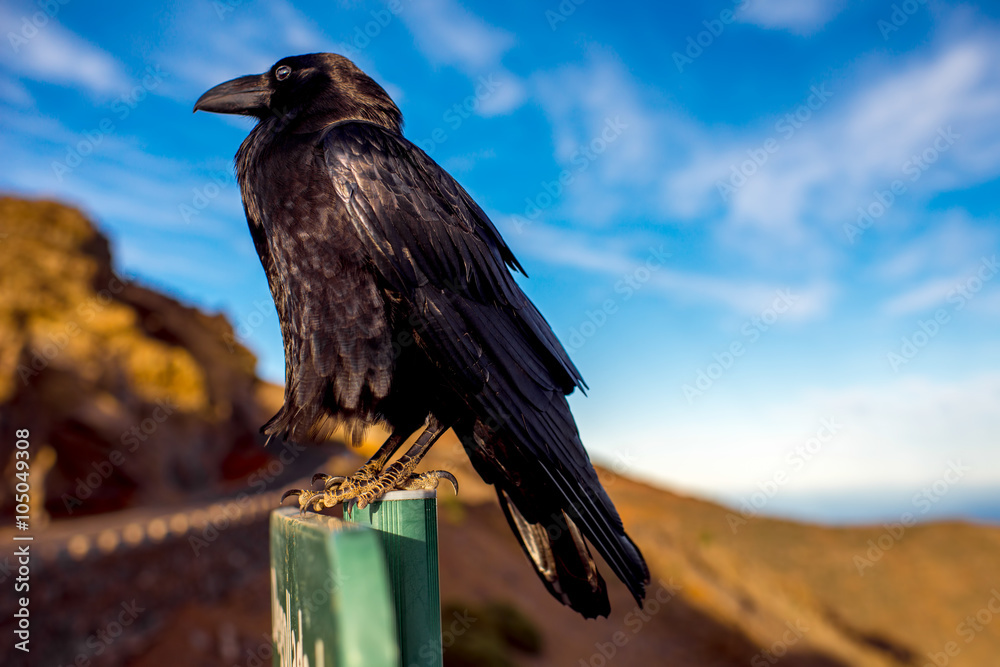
[
  {"x": 791, "y": 587},
  {"x": 130, "y": 396}
]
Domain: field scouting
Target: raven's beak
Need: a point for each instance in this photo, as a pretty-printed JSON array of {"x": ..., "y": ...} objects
[{"x": 247, "y": 95}]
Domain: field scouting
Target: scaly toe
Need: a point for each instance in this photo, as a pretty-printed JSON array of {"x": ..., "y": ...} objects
[
  {"x": 366, "y": 486},
  {"x": 319, "y": 502},
  {"x": 430, "y": 480},
  {"x": 334, "y": 481}
]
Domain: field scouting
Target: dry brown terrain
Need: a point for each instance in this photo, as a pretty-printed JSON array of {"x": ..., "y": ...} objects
[
  {"x": 775, "y": 592},
  {"x": 740, "y": 592},
  {"x": 85, "y": 357}
]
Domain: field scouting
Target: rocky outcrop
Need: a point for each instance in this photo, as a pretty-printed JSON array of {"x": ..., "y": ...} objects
[{"x": 133, "y": 397}]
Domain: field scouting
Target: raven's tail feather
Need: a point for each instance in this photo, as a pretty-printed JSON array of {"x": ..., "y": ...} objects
[
  {"x": 561, "y": 559},
  {"x": 555, "y": 516}
]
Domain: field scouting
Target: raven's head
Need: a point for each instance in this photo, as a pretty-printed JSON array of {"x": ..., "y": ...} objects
[{"x": 306, "y": 93}]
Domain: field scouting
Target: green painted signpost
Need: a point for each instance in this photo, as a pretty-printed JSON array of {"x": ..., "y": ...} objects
[
  {"x": 407, "y": 522},
  {"x": 360, "y": 592}
]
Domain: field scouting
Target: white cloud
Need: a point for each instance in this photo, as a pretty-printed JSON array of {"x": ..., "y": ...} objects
[
  {"x": 606, "y": 136},
  {"x": 13, "y": 92},
  {"x": 451, "y": 35},
  {"x": 954, "y": 242},
  {"x": 801, "y": 17},
  {"x": 615, "y": 259},
  {"x": 242, "y": 41},
  {"x": 932, "y": 265},
  {"x": 922, "y": 297},
  {"x": 213, "y": 47},
  {"x": 942, "y": 107},
  {"x": 118, "y": 179},
  {"x": 56, "y": 55},
  {"x": 448, "y": 34},
  {"x": 508, "y": 95},
  {"x": 975, "y": 277},
  {"x": 295, "y": 29}
]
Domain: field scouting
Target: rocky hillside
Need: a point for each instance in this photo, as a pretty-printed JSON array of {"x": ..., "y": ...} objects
[
  {"x": 735, "y": 591},
  {"x": 131, "y": 397},
  {"x": 771, "y": 593},
  {"x": 134, "y": 399}
]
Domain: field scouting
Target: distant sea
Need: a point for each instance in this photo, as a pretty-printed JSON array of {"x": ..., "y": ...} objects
[{"x": 873, "y": 506}]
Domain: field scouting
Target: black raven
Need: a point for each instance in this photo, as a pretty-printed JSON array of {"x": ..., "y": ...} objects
[{"x": 397, "y": 305}]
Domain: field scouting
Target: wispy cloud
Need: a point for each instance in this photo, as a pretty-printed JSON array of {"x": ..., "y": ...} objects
[
  {"x": 922, "y": 297},
  {"x": 56, "y": 55},
  {"x": 887, "y": 129},
  {"x": 212, "y": 46},
  {"x": 943, "y": 279},
  {"x": 215, "y": 46},
  {"x": 580, "y": 100},
  {"x": 118, "y": 179},
  {"x": 14, "y": 93},
  {"x": 953, "y": 242},
  {"x": 802, "y": 17},
  {"x": 448, "y": 34},
  {"x": 616, "y": 258}
]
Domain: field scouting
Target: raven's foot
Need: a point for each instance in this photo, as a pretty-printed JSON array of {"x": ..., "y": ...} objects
[
  {"x": 367, "y": 485},
  {"x": 373, "y": 480}
]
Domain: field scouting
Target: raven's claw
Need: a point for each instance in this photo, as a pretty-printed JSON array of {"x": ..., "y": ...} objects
[{"x": 366, "y": 486}]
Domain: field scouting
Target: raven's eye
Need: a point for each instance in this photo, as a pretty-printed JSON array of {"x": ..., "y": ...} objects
[{"x": 282, "y": 72}]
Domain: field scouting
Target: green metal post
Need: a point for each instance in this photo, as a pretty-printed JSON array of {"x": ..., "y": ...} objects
[
  {"x": 330, "y": 596},
  {"x": 407, "y": 522}
]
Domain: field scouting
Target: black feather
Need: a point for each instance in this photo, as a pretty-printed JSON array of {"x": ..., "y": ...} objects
[{"x": 396, "y": 300}]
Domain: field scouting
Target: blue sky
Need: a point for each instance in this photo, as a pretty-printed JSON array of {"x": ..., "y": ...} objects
[{"x": 767, "y": 231}]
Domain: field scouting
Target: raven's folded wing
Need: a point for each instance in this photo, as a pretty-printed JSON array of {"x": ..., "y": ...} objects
[
  {"x": 430, "y": 242},
  {"x": 422, "y": 228}
]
